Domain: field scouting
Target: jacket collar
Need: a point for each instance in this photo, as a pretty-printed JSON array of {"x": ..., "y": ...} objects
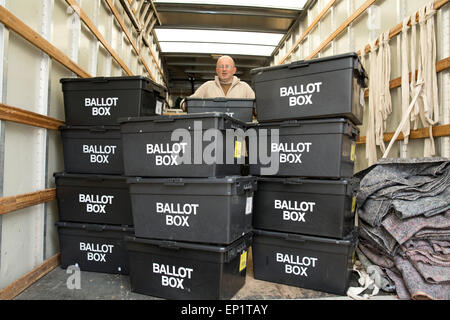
[{"x": 233, "y": 83}]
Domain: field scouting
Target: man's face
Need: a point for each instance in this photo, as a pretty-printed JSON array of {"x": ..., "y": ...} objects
[{"x": 225, "y": 69}]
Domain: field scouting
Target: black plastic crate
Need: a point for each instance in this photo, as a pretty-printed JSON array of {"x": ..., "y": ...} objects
[
  {"x": 102, "y": 100},
  {"x": 323, "y": 208},
  {"x": 91, "y": 198},
  {"x": 203, "y": 210},
  {"x": 92, "y": 149},
  {"x": 184, "y": 270},
  {"x": 240, "y": 109},
  {"x": 94, "y": 247},
  {"x": 323, "y": 148},
  {"x": 149, "y": 150},
  {"x": 316, "y": 263},
  {"x": 318, "y": 88}
]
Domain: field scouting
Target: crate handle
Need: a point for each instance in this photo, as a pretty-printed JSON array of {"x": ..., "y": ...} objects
[
  {"x": 100, "y": 80},
  {"x": 353, "y": 132},
  {"x": 361, "y": 76},
  {"x": 164, "y": 120},
  {"x": 298, "y": 64},
  {"x": 97, "y": 129},
  {"x": 234, "y": 251},
  {"x": 174, "y": 183},
  {"x": 158, "y": 90},
  {"x": 292, "y": 123},
  {"x": 294, "y": 237},
  {"x": 169, "y": 245},
  {"x": 94, "y": 177},
  {"x": 292, "y": 181},
  {"x": 94, "y": 227}
]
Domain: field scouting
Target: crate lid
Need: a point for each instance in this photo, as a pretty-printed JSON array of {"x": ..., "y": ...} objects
[
  {"x": 89, "y": 177},
  {"x": 353, "y": 55},
  {"x": 180, "y": 181},
  {"x": 108, "y": 79},
  {"x": 347, "y": 186},
  {"x": 101, "y": 128},
  {"x": 171, "y": 118},
  {"x": 219, "y": 99},
  {"x": 219, "y": 104},
  {"x": 104, "y": 79},
  {"x": 86, "y": 83},
  {"x": 316, "y": 126},
  {"x": 350, "y": 239},
  {"x": 301, "y": 180},
  {"x": 336, "y": 62},
  {"x": 231, "y": 249},
  {"x": 93, "y": 226}
]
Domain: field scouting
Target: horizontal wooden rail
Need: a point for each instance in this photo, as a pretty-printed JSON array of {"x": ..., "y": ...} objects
[
  {"x": 441, "y": 65},
  {"x": 130, "y": 12},
  {"x": 308, "y": 30},
  {"x": 438, "y": 131},
  {"x": 130, "y": 39},
  {"x": 15, "y": 24},
  {"x": 156, "y": 63},
  {"x": 28, "y": 117},
  {"x": 88, "y": 22},
  {"x": 14, "y": 289},
  {"x": 398, "y": 28},
  {"x": 342, "y": 27},
  {"x": 133, "y": 44},
  {"x": 122, "y": 25},
  {"x": 13, "y": 203}
]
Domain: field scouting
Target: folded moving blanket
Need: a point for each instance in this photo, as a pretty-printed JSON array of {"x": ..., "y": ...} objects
[{"x": 403, "y": 207}]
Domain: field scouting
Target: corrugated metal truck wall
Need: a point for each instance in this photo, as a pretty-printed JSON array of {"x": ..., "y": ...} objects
[
  {"x": 339, "y": 26},
  {"x": 40, "y": 43}
]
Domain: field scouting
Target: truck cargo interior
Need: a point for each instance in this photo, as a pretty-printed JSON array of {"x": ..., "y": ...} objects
[{"x": 328, "y": 180}]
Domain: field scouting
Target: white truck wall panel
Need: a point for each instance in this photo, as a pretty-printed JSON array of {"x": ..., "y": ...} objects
[{"x": 30, "y": 81}]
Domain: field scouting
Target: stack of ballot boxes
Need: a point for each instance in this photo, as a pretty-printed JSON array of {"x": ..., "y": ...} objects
[
  {"x": 304, "y": 208},
  {"x": 191, "y": 207},
  {"x": 92, "y": 194}
]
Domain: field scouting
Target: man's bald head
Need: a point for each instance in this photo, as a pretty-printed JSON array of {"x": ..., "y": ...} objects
[
  {"x": 225, "y": 69},
  {"x": 225, "y": 60}
]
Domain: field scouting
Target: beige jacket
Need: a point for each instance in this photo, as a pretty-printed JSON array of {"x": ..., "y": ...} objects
[{"x": 212, "y": 89}]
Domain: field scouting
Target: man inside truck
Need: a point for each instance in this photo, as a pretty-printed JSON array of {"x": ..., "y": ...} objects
[{"x": 225, "y": 84}]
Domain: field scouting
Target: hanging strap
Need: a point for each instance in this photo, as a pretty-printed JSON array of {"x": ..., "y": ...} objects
[
  {"x": 404, "y": 120},
  {"x": 378, "y": 84},
  {"x": 405, "y": 79},
  {"x": 413, "y": 84},
  {"x": 427, "y": 75},
  {"x": 371, "y": 151},
  {"x": 383, "y": 106},
  {"x": 365, "y": 282},
  {"x": 432, "y": 89},
  {"x": 425, "y": 102},
  {"x": 362, "y": 59}
]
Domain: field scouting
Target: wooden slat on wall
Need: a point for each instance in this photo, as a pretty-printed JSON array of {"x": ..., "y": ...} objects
[
  {"x": 15, "y": 288},
  {"x": 13, "y": 203},
  {"x": 438, "y": 131},
  {"x": 441, "y": 65},
  {"x": 133, "y": 44},
  {"x": 15, "y": 24},
  {"x": 342, "y": 27},
  {"x": 308, "y": 30},
  {"x": 398, "y": 28},
  {"x": 28, "y": 117},
  {"x": 88, "y": 22}
]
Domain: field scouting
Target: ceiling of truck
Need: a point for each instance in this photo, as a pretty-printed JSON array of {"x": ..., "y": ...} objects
[{"x": 193, "y": 34}]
